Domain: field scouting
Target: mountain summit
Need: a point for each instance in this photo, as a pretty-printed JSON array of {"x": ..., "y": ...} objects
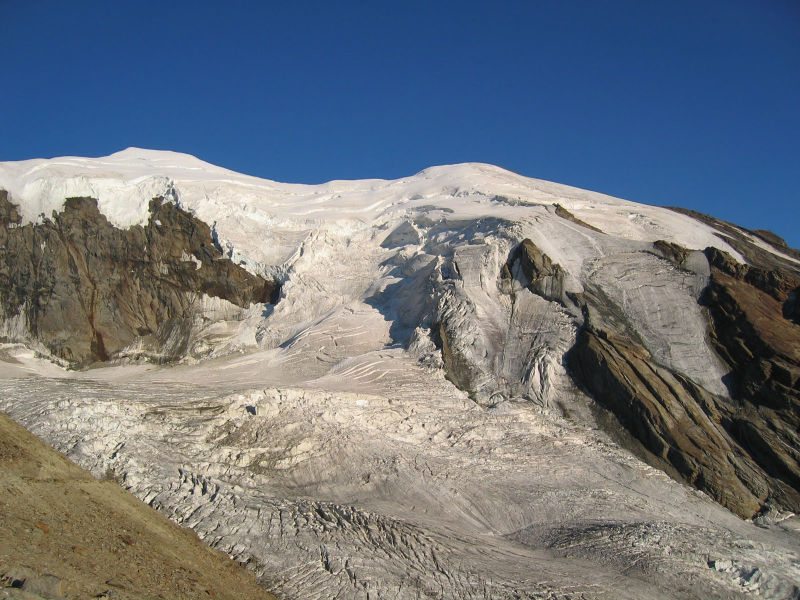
[{"x": 465, "y": 383}]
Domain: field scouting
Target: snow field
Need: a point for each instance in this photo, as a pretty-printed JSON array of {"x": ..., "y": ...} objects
[{"x": 320, "y": 439}]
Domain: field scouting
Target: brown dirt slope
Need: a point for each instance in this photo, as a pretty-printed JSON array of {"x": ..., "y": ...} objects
[{"x": 65, "y": 534}]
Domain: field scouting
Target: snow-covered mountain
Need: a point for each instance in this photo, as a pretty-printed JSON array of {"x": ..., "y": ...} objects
[{"x": 452, "y": 385}]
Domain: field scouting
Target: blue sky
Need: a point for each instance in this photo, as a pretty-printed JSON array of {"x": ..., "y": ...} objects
[{"x": 689, "y": 103}]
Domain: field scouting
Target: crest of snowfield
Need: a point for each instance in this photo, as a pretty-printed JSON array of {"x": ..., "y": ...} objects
[
  {"x": 238, "y": 206},
  {"x": 679, "y": 328}
]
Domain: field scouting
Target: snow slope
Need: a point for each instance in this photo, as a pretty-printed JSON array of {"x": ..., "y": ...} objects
[
  {"x": 332, "y": 451},
  {"x": 240, "y": 205}
]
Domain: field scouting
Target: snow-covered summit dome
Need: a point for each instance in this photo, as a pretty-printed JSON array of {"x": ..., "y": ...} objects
[{"x": 124, "y": 182}]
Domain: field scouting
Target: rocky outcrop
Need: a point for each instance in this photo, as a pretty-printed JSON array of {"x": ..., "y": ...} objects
[
  {"x": 533, "y": 269},
  {"x": 676, "y": 421},
  {"x": 457, "y": 366},
  {"x": 674, "y": 253},
  {"x": 84, "y": 290},
  {"x": 773, "y": 238},
  {"x": 744, "y": 449},
  {"x": 791, "y": 308},
  {"x": 742, "y": 240},
  {"x": 741, "y": 447},
  {"x": 565, "y": 214},
  {"x": 751, "y": 331},
  {"x": 501, "y": 349}
]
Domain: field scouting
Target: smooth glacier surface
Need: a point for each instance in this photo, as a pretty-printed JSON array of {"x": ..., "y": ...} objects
[{"x": 322, "y": 441}]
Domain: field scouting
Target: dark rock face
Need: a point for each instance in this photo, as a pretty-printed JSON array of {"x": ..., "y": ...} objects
[
  {"x": 535, "y": 270},
  {"x": 743, "y": 450},
  {"x": 565, "y": 214},
  {"x": 752, "y": 333},
  {"x": 674, "y": 253},
  {"x": 85, "y": 289},
  {"x": 675, "y": 420},
  {"x": 737, "y": 237},
  {"x": 771, "y": 238},
  {"x": 457, "y": 367},
  {"x": 791, "y": 308}
]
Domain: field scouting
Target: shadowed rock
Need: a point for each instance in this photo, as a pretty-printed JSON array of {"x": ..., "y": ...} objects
[
  {"x": 475, "y": 350},
  {"x": 674, "y": 253},
  {"x": 533, "y": 269},
  {"x": 791, "y": 308},
  {"x": 762, "y": 347},
  {"x": 742, "y": 449},
  {"x": 741, "y": 240},
  {"x": 565, "y": 214},
  {"x": 85, "y": 290},
  {"x": 675, "y": 420}
]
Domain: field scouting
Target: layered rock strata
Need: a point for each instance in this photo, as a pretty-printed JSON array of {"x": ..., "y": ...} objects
[
  {"x": 738, "y": 442},
  {"x": 741, "y": 448},
  {"x": 82, "y": 289}
]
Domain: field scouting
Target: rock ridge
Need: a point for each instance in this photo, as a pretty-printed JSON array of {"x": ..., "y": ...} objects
[
  {"x": 741, "y": 449},
  {"x": 84, "y": 290}
]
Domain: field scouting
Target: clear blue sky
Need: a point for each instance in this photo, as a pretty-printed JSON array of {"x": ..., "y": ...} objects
[{"x": 680, "y": 102}]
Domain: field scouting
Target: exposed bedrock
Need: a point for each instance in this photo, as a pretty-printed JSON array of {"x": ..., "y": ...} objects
[
  {"x": 565, "y": 214},
  {"x": 639, "y": 354},
  {"x": 740, "y": 447},
  {"x": 791, "y": 308},
  {"x": 83, "y": 290},
  {"x": 678, "y": 422},
  {"x": 752, "y": 332},
  {"x": 694, "y": 355},
  {"x": 746, "y": 242},
  {"x": 496, "y": 346},
  {"x": 534, "y": 270}
]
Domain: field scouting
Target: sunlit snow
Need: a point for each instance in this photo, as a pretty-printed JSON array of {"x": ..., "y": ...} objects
[{"x": 320, "y": 439}]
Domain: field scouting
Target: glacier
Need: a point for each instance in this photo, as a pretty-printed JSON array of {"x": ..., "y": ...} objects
[{"x": 403, "y": 422}]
